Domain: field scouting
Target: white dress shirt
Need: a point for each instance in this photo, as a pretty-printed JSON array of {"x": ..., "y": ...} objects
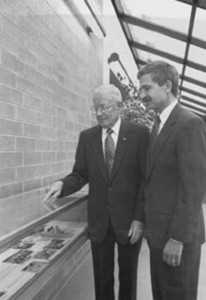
[{"x": 165, "y": 114}]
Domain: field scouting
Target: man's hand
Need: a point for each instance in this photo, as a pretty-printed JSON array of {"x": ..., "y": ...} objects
[
  {"x": 135, "y": 231},
  {"x": 172, "y": 252},
  {"x": 52, "y": 194}
]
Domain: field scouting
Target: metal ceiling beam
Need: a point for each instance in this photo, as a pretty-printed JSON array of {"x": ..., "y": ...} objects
[
  {"x": 189, "y": 36},
  {"x": 201, "y": 3},
  {"x": 118, "y": 9},
  {"x": 167, "y": 55},
  {"x": 152, "y": 50},
  {"x": 192, "y": 92},
  {"x": 161, "y": 29},
  {"x": 194, "y": 107}
]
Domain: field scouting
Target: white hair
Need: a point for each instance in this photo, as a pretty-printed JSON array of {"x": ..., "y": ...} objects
[{"x": 109, "y": 91}]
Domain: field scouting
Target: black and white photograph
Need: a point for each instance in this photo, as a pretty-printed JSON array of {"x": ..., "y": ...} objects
[
  {"x": 35, "y": 266},
  {"x": 102, "y": 150}
]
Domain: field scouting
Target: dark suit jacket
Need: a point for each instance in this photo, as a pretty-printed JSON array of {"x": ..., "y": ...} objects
[
  {"x": 114, "y": 198},
  {"x": 176, "y": 180}
]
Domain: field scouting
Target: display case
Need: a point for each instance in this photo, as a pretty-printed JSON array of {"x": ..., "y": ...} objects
[{"x": 37, "y": 260}]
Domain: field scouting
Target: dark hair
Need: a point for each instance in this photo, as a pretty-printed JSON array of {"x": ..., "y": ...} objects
[{"x": 161, "y": 72}]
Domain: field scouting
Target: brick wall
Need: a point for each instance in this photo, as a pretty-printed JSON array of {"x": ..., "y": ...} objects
[{"x": 48, "y": 68}]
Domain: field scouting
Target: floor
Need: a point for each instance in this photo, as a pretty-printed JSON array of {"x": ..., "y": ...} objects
[{"x": 82, "y": 288}]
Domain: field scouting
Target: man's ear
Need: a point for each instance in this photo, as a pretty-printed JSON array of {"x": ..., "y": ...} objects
[{"x": 168, "y": 86}]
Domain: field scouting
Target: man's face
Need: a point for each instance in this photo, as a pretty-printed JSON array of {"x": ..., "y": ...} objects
[
  {"x": 152, "y": 94},
  {"x": 107, "y": 111}
]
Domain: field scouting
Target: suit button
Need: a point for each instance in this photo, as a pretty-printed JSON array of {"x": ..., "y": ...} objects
[{"x": 110, "y": 188}]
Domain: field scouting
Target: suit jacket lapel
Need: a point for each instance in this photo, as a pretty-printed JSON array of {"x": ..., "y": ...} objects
[
  {"x": 98, "y": 150},
  {"x": 120, "y": 148},
  {"x": 162, "y": 138}
]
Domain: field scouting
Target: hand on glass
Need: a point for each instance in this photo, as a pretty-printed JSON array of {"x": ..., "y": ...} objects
[
  {"x": 53, "y": 194},
  {"x": 172, "y": 252},
  {"x": 135, "y": 231}
]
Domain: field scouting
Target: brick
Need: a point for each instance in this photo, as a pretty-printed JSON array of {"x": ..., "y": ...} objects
[
  {"x": 44, "y": 170},
  {"x": 49, "y": 156},
  {"x": 48, "y": 133},
  {"x": 7, "y": 77},
  {"x": 10, "y": 95},
  {"x": 43, "y": 145},
  {"x": 10, "y": 127},
  {"x": 11, "y": 189},
  {"x": 27, "y": 56},
  {"x": 7, "y": 175},
  {"x": 59, "y": 167},
  {"x": 36, "y": 77},
  {"x": 61, "y": 156},
  {"x": 31, "y": 130},
  {"x": 44, "y": 87},
  {"x": 32, "y": 184},
  {"x": 32, "y": 158},
  {"x": 25, "y": 144},
  {"x": 30, "y": 102},
  {"x": 23, "y": 173},
  {"x": 11, "y": 62},
  {"x": 10, "y": 159},
  {"x": 25, "y": 85},
  {"x": 48, "y": 180},
  {"x": 7, "y": 111},
  {"x": 26, "y": 115},
  {"x": 7, "y": 143},
  {"x": 45, "y": 120}
]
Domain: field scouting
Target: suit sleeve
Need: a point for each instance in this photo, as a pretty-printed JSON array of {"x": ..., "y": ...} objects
[
  {"x": 191, "y": 157},
  {"x": 79, "y": 175},
  {"x": 142, "y": 159}
]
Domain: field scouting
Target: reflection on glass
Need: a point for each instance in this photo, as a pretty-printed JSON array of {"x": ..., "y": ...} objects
[
  {"x": 194, "y": 104},
  {"x": 198, "y": 99},
  {"x": 146, "y": 56},
  {"x": 193, "y": 110},
  {"x": 194, "y": 87},
  {"x": 200, "y": 24},
  {"x": 158, "y": 41},
  {"x": 193, "y": 73},
  {"x": 197, "y": 55},
  {"x": 168, "y": 13}
]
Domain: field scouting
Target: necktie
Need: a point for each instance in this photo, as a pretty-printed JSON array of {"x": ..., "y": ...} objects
[
  {"x": 109, "y": 150},
  {"x": 155, "y": 130}
]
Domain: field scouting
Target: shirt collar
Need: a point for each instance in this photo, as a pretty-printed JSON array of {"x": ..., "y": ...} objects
[
  {"x": 115, "y": 127},
  {"x": 167, "y": 111}
]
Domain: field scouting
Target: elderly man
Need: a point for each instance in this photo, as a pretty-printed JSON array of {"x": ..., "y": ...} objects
[
  {"x": 110, "y": 157},
  {"x": 174, "y": 187}
]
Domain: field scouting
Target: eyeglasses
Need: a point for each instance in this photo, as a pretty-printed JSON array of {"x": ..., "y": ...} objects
[{"x": 102, "y": 108}]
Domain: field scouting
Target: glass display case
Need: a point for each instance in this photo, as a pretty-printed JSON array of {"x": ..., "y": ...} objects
[{"x": 39, "y": 258}]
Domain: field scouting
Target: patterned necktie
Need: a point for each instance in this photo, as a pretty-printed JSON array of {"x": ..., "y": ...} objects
[
  {"x": 155, "y": 130},
  {"x": 109, "y": 150}
]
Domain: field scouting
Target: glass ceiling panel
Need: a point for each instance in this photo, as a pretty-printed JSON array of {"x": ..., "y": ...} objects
[
  {"x": 196, "y": 111},
  {"x": 197, "y": 55},
  {"x": 200, "y": 100},
  {"x": 168, "y": 13},
  {"x": 158, "y": 41},
  {"x": 146, "y": 56},
  {"x": 198, "y": 75},
  {"x": 195, "y": 106},
  {"x": 194, "y": 87},
  {"x": 200, "y": 24}
]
